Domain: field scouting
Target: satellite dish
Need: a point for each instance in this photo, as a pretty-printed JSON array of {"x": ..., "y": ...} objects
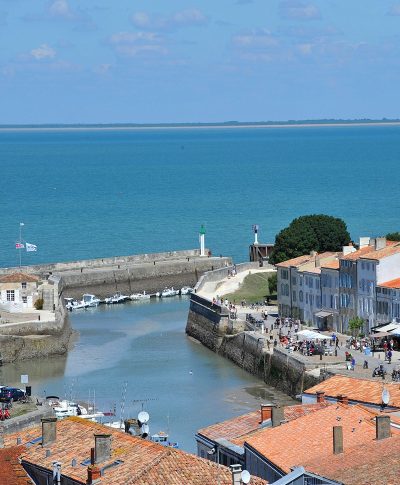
[
  {"x": 145, "y": 430},
  {"x": 385, "y": 397},
  {"x": 245, "y": 476},
  {"x": 143, "y": 417}
]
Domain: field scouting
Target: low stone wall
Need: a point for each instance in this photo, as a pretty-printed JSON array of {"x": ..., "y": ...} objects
[
  {"x": 28, "y": 420},
  {"x": 210, "y": 324},
  {"x": 218, "y": 274},
  {"x": 32, "y": 340}
]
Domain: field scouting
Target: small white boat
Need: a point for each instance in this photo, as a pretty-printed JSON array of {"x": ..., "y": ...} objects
[
  {"x": 162, "y": 438},
  {"x": 139, "y": 296},
  {"x": 65, "y": 409},
  {"x": 116, "y": 425},
  {"x": 186, "y": 290},
  {"x": 91, "y": 300},
  {"x": 117, "y": 298},
  {"x": 73, "y": 304},
  {"x": 167, "y": 292}
]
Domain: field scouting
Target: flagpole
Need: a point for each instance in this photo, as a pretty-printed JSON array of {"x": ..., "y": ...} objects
[{"x": 20, "y": 241}]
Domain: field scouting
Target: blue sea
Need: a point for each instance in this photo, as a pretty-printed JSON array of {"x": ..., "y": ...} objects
[{"x": 96, "y": 193}]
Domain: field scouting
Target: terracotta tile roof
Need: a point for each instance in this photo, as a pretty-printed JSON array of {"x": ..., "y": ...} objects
[
  {"x": 374, "y": 462},
  {"x": 142, "y": 462},
  {"x": 361, "y": 390},
  {"x": 357, "y": 254},
  {"x": 391, "y": 284},
  {"x": 11, "y": 471},
  {"x": 331, "y": 264},
  {"x": 295, "y": 261},
  {"x": 294, "y": 443},
  {"x": 18, "y": 278},
  {"x": 236, "y": 429},
  {"x": 382, "y": 253}
]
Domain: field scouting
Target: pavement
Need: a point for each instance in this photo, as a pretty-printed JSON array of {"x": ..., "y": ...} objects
[
  {"x": 334, "y": 364},
  {"x": 228, "y": 285}
]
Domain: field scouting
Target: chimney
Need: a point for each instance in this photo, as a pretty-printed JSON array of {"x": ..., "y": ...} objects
[
  {"x": 277, "y": 415},
  {"x": 348, "y": 249},
  {"x": 93, "y": 475},
  {"x": 317, "y": 261},
  {"x": 382, "y": 427},
  {"x": 313, "y": 254},
  {"x": 343, "y": 399},
  {"x": 49, "y": 431},
  {"x": 380, "y": 243},
  {"x": 364, "y": 242},
  {"x": 102, "y": 447},
  {"x": 266, "y": 412},
  {"x": 337, "y": 440},
  {"x": 320, "y": 396},
  {"x": 236, "y": 471}
]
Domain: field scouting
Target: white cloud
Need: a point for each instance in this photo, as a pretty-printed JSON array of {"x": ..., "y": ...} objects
[
  {"x": 191, "y": 17},
  {"x": 132, "y": 44},
  {"x": 255, "y": 39},
  {"x": 293, "y": 9},
  {"x": 61, "y": 8},
  {"x": 44, "y": 51}
]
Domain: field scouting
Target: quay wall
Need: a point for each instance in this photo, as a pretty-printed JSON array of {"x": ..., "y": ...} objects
[
  {"x": 210, "y": 325},
  {"x": 41, "y": 269},
  {"x": 28, "y": 340}
]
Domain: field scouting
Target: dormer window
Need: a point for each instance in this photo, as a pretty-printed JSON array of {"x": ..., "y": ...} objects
[{"x": 23, "y": 285}]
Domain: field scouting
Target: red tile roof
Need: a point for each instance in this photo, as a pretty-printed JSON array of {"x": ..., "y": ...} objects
[
  {"x": 374, "y": 462},
  {"x": 18, "y": 278},
  {"x": 295, "y": 261},
  {"x": 142, "y": 462},
  {"x": 382, "y": 253},
  {"x": 361, "y": 390},
  {"x": 310, "y": 437},
  {"x": 236, "y": 429},
  {"x": 11, "y": 471},
  {"x": 331, "y": 264},
  {"x": 391, "y": 284}
]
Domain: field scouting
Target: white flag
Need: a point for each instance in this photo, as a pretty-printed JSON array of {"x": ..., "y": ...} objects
[{"x": 30, "y": 247}]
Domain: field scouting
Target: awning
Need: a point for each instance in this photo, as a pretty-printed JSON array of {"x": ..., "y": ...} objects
[
  {"x": 389, "y": 327},
  {"x": 311, "y": 335},
  {"x": 380, "y": 335},
  {"x": 323, "y": 314}
]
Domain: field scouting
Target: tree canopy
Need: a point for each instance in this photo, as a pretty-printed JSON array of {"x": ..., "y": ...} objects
[
  {"x": 393, "y": 236},
  {"x": 317, "y": 232}
]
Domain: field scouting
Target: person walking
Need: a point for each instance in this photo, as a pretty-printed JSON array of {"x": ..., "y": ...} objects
[{"x": 353, "y": 363}]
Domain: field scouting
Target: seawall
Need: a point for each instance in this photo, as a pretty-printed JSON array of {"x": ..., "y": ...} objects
[
  {"x": 128, "y": 274},
  {"x": 211, "y": 325}
]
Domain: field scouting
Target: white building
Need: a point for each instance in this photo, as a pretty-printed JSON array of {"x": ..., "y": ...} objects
[{"x": 18, "y": 291}]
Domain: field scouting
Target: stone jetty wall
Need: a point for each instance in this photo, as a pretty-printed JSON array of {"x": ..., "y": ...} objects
[{"x": 210, "y": 324}]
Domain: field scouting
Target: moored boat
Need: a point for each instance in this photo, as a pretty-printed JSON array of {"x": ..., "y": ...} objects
[{"x": 139, "y": 296}]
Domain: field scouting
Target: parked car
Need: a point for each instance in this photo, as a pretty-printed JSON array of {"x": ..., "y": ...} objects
[{"x": 11, "y": 394}]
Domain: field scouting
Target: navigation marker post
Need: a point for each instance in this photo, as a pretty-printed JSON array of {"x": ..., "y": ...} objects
[
  {"x": 255, "y": 230},
  {"x": 202, "y": 240}
]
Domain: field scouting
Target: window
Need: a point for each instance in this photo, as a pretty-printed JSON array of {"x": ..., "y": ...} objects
[
  {"x": 307, "y": 298},
  {"x": 24, "y": 299},
  {"x": 10, "y": 295},
  {"x": 23, "y": 286},
  {"x": 294, "y": 296},
  {"x": 300, "y": 296},
  {"x": 294, "y": 280},
  {"x": 317, "y": 284},
  {"x": 285, "y": 274}
]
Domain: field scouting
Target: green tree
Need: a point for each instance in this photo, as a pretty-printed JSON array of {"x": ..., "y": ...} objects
[
  {"x": 317, "y": 232},
  {"x": 355, "y": 325},
  {"x": 273, "y": 284},
  {"x": 393, "y": 236}
]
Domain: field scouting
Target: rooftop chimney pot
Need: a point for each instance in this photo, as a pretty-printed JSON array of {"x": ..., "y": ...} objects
[
  {"x": 382, "y": 427},
  {"x": 266, "y": 412},
  {"x": 380, "y": 243},
  {"x": 343, "y": 399},
  {"x": 49, "y": 431},
  {"x": 337, "y": 440},
  {"x": 102, "y": 447},
  {"x": 278, "y": 415},
  {"x": 94, "y": 474},
  {"x": 320, "y": 396},
  {"x": 236, "y": 471}
]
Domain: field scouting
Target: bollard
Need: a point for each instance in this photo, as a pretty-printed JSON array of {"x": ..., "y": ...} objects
[{"x": 320, "y": 356}]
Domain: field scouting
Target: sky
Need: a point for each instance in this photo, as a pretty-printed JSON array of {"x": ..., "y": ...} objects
[{"x": 171, "y": 61}]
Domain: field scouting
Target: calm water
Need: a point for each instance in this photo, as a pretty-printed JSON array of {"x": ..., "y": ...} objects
[
  {"x": 144, "y": 344},
  {"x": 85, "y": 194}
]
